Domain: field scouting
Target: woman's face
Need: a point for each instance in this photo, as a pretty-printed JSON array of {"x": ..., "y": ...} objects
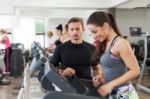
[
  {"x": 58, "y": 32},
  {"x": 64, "y": 31},
  {"x": 98, "y": 32},
  {"x": 1, "y": 33}
]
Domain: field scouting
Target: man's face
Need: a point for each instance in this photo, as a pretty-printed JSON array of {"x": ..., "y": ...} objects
[{"x": 75, "y": 30}]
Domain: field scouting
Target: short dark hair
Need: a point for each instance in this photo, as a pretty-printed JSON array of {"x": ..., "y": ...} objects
[{"x": 76, "y": 19}]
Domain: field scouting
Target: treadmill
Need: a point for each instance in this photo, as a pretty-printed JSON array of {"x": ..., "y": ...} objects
[{"x": 71, "y": 87}]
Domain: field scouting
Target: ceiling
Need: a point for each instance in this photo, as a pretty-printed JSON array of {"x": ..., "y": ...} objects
[
  {"x": 11, "y": 7},
  {"x": 131, "y": 4}
]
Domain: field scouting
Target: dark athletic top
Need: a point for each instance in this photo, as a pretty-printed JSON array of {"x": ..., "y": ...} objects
[{"x": 76, "y": 56}]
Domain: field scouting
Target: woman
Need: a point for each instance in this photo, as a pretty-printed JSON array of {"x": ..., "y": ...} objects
[
  {"x": 50, "y": 42},
  {"x": 50, "y": 39},
  {"x": 4, "y": 40},
  {"x": 65, "y": 35},
  {"x": 56, "y": 38},
  {"x": 58, "y": 31},
  {"x": 116, "y": 58}
]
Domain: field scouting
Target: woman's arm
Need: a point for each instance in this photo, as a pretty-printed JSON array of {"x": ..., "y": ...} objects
[{"x": 125, "y": 52}]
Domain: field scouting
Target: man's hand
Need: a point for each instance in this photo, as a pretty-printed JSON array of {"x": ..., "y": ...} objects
[
  {"x": 68, "y": 72},
  {"x": 60, "y": 72}
]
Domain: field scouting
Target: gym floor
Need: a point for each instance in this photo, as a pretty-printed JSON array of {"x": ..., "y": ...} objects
[{"x": 11, "y": 91}]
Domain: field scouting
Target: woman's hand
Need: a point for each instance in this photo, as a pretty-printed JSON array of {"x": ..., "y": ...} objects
[{"x": 105, "y": 89}]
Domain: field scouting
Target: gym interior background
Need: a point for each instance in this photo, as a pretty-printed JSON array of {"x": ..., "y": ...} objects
[{"x": 26, "y": 21}]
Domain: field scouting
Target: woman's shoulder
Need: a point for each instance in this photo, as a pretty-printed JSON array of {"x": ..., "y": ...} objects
[
  {"x": 64, "y": 38},
  {"x": 122, "y": 44},
  {"x": 122, "y": 41}
]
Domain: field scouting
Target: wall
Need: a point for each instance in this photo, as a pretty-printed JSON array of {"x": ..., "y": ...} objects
[
  {"x": 25, "y": 33},
  {"x": 133, "y": 18},
  {"x": 53, "y": 22}
]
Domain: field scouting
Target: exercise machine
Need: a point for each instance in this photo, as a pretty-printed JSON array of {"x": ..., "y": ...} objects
[
  {"x": 144, "y": 65},
  {"x": 60, "y": 95},
  {"x": 3, "y": 77},
  {"x": 71, "y": 87}
]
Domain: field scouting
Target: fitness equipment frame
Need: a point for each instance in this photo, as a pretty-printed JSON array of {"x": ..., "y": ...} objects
[{"x": 139, "y": 84}]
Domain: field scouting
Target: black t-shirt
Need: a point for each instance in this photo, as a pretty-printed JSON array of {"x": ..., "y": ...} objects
[
  {"x": 58, "y": 42},
  {"x": 76, "y": 56}
]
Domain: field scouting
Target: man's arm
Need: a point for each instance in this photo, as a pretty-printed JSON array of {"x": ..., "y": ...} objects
[{"x": 56, "y": 58}]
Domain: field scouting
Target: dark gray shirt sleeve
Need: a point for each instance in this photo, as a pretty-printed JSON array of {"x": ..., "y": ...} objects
[{"x": 56, "y": 58}]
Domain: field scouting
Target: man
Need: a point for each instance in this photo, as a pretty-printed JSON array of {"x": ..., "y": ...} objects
[{"x": 75, "y": 55}]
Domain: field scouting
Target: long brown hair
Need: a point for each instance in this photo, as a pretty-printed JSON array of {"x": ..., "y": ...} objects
[{"x": 98, "y": 18}]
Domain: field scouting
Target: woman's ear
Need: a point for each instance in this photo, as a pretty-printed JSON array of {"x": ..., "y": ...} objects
[{"x": 106, "y": 25}]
